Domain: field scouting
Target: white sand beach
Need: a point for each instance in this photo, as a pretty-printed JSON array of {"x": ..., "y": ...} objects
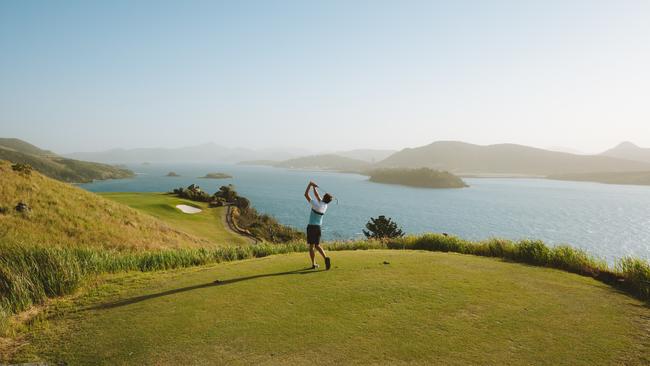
[{"x": 188, "y": 209}]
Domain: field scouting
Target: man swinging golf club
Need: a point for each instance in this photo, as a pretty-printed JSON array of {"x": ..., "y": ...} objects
[{"x": 318, "y": 208}]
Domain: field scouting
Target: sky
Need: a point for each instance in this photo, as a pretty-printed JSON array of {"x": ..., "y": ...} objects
[{"x": 324, "y": 75}]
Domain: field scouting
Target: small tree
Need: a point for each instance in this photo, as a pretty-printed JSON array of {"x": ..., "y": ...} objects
[
  {"x": 381, "y": 228},
  {"x": 228, "y": 193}
]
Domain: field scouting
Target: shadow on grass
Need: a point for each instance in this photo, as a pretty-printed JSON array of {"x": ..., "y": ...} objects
[{"x": 137, "y": 299}]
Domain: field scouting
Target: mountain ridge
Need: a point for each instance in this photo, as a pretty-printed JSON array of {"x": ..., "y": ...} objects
[
  {"x": 465, "y": 158},
  {"x": 630, "y": 151}
]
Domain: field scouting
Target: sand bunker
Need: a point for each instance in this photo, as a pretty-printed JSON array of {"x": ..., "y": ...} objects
[{"x": 188, "y": 209}]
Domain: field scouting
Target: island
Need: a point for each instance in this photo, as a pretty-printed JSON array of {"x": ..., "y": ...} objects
[
  {"x": 419, "y": 177},
  {"x": 216, "y": 176},
  {"x": 172, "y": 174}
]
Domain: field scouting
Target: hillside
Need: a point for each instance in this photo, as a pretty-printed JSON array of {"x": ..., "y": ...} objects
[
  {"x": 367, "y": 155},
  {"x": 54, "y": 166},
  {"x": 325, "y": 162},
  {"x": 61, "y": 214},
  {"x": 373, "y": 307},
  {"x": 628, "y": 178},
  {"x": 464, "y": 158},
  {"x": 630, "y": 151}
]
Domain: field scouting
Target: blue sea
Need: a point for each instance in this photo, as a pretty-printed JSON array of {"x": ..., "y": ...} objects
[{"x": 608, "y": 221}]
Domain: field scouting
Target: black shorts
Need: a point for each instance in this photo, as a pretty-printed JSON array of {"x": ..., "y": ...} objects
[{"x": 313, "y": 234}]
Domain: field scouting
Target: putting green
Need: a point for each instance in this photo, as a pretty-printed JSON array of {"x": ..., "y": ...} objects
[
  {"x": 420, "y": 308},
  {"x": 207, "y": 224}
]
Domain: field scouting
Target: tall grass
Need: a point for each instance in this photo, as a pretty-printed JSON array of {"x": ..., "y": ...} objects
[{"x": 31, "y": 274}]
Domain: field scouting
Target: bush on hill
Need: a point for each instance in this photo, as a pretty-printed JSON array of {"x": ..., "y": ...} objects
[
  {"x": 192, "y": 192},
  {"x": 25, "y": 169}
]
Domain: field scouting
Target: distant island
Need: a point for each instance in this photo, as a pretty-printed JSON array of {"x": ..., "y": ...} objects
[
  {"x": 419, "y": 177},
  {"x": 216, "y": 176},
  {"x": 172, "y": 174},
  {"x": 628, "y": 178}
]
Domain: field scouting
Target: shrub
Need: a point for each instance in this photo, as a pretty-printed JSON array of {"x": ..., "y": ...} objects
[
  {"x": 532, "y": 252},
  {"x": 24, "y": 169},
  {"x": 381, "y": 228},
  {"x": 499, "y": 248},
  {"x": 636, "y": 275},
  {"x": 574, "y": 260}
]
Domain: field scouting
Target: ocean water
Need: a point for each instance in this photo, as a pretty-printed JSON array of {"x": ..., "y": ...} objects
[{"x": 608, "y": 221}]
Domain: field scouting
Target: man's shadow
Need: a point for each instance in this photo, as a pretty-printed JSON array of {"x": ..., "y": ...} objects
[{"x": 137, "y": 299}]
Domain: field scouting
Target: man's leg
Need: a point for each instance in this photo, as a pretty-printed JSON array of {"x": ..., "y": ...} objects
[
  {"x": 328, "y": 263},
  {"x": 312, "y": 255},
  {"x": 320, "y": 250}
]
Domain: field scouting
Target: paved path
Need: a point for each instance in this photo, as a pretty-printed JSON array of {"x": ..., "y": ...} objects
[{"x": 231, "y": 226}]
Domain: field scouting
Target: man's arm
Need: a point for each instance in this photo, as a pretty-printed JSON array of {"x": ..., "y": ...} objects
[
  {"x": 316, "y": 193},
  {"x": 307, "y": 196}
]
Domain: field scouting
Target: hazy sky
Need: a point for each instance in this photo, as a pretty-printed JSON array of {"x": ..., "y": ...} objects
[{"x": 90, "y": 75}]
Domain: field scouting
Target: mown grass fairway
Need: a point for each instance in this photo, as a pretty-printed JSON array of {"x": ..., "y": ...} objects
[
  {"x": 422, "y": 308},
  {"x": 208, "y": 224}
]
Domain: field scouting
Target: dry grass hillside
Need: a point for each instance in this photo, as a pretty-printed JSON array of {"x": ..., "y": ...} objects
[{"x": 62, "y": 214}]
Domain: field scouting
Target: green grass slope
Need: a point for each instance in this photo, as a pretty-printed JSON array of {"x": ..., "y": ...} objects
[
  {"x": 208, "y": 224},
  {"x": 54, "y": 166},
  {"x": 62, "y": 214},
  {"x": 374, "y": 307}
]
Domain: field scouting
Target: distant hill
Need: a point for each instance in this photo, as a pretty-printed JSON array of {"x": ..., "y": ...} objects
[
  {"x": 205, "y": 153},
  {"x": 325, "y": 162},
  {"x": 23, "y": 147},
  {"x": 464, "y": 158},
  {"x": 368, "y": 155},
  {"x": 629, "y": 151},
  {"x": 259, "y": 162},
  {"x": 62, "y": 214},
  {"x": 314, "y": 161},
  {"x": 628, "y": 178},
  {"x": 54, "y": 166}
]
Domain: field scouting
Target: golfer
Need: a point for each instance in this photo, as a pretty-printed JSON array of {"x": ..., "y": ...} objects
[{"x": 318, "y": 208}]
